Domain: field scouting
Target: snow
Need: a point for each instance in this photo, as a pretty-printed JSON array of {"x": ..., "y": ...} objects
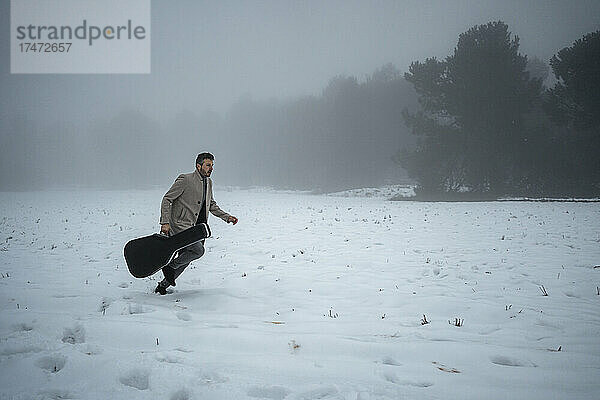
[{"x": 307, "y": 297}]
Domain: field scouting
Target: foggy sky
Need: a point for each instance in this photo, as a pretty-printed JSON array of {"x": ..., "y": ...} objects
[{"x": 206, "y": 55}]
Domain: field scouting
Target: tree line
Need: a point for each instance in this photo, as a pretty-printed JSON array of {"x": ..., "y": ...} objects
[
  {"x": 343, "y": 137},
  {"x": 487, "y": 127},
  {"x": 478, "y": 124}
]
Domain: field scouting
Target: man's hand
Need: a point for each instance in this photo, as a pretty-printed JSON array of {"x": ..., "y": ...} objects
[
  {"x": 165, "y": 228},
  {"x": 232, "y": 219}
]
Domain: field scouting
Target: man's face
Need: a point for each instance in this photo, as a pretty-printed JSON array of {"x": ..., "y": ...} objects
[{"x": 206, "y": 167}]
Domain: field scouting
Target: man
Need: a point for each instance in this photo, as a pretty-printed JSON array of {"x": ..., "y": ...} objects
[{"x": 186, "y": 204}]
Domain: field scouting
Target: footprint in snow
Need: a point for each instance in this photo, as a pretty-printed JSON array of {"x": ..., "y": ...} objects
[
  {"x": 124, "y": 285},
  {"x": 135, "y": 308},
  {"x": 268, "y": 392},
  {"x": 65, "y": 296},
  {"x": 23, "y": 327},
  {"x": 55, "y": 394},
  {"x": 136, "y": 378},
  {"x": 73, "y": 335},
  {"x": 319, "y": 393},
  {"x": 393, "y": 378},
  {"x": 209, "y": 378},
  {"x": 12, "y": 347},
  {"x": 52, "y": 363},
  {"x": 183, "y": 350},
  {"x": 390, "y": 361},
  {"x": 181, "y": 394},
  {"x": 510, "y": 362},
  {"x": 167, "y": 358},
  {"x": 184, "y": 316}
]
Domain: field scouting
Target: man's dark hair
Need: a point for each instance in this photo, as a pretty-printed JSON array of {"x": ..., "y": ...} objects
[{"x": 203, "y": 156}]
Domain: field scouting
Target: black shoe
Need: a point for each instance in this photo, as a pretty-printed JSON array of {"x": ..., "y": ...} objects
[
  {"x": 160, "y": 289},
  {"x": 169, "y": 274}
]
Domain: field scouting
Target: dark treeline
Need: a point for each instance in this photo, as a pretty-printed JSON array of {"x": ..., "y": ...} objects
[
  {"x": 478, "y": 124},
  {"x": 488, "y": 128},
  {"x": 346, "y": 137}
]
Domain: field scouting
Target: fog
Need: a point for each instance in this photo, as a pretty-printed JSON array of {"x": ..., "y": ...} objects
[{"x": 289, "y": 94}]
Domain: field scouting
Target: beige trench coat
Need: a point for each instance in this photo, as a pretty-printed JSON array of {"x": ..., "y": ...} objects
[{"x": 182, "y": 202}]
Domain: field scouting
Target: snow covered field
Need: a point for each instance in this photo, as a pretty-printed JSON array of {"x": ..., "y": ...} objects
[{"x": 308, "y": 297}]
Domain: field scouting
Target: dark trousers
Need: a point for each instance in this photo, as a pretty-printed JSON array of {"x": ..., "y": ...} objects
[{"x": 184, "y": 258}]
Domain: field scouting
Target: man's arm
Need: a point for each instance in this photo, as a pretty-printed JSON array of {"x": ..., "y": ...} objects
[
  {"x": 174, "y": 192},
  {"x": 217, "y": 212}
]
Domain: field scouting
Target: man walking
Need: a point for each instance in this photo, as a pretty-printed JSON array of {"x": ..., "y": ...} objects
[{"x": 186, "y": 204}]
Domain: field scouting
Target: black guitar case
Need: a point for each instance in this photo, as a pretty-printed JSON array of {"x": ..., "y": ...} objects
[{"x": 146, "y": 255}]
